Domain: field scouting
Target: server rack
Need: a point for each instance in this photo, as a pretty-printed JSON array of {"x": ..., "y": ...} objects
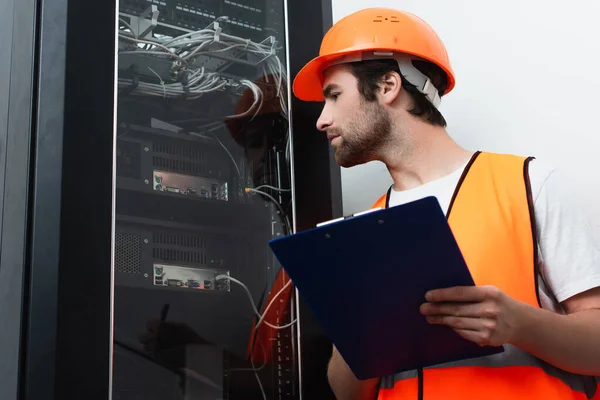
[{"x": 155, "y": 140}]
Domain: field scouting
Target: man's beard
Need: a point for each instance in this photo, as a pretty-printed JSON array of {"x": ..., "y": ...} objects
[{"x": 364, "y": 136}]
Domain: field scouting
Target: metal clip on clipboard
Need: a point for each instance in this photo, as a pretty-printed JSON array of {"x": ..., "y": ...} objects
[{"x": 358, "y": 214}]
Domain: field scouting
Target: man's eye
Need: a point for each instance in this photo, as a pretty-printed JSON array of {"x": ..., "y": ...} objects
[{"x": 334, "y": 96}]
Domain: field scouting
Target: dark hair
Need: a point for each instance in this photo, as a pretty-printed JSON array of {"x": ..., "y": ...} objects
[{"x": 370, "y": 72}]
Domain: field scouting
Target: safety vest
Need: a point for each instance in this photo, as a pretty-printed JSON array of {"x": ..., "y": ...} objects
[{"x": 491, "y": 216}]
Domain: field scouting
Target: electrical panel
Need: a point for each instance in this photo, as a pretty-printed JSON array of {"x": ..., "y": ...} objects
[{"x": 202, "y": 310}]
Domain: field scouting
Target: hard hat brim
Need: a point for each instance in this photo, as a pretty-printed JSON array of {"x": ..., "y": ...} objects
[{"x": 308, "y": 84}]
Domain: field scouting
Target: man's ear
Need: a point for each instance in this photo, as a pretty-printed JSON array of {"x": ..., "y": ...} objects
[{"x": 390, "y": 85}]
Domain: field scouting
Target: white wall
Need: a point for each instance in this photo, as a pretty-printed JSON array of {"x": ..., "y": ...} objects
[{"x": 528, "y": 80}]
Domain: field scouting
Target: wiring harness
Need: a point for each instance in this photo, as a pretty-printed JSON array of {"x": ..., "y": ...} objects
[
  {"x": 186, "y": 54},
  {"x": 261, "y": 320}
]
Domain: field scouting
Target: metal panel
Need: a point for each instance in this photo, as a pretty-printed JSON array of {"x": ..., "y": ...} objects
[
  {"x": 67, "y": 352},
  {"x": 46, "y": 165},
  {"x": 17, "y": 39},
  {"x": 6, "y": 26},
  {"x": 315, "y": 167},
  {"x": 86, "y": 224},
  {"x": 313, "y": 155}
]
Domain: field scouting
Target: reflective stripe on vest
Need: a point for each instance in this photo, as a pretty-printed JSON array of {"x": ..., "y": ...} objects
[{"x": 491, "y": 216}]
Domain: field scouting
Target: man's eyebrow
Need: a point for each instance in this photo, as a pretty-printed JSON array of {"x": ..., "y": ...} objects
[{"x": 327, "y": 91}]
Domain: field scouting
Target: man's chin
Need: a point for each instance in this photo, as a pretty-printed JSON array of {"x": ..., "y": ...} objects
[{"x": 348, "y": 162}]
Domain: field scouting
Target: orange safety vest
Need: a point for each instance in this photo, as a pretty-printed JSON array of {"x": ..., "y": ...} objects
[{"x": 491, "y": 216}]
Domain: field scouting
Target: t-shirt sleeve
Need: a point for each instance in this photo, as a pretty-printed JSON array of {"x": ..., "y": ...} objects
[{"x": 568, "y": 245}]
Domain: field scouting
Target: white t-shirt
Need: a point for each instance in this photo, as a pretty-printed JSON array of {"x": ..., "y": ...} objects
[{"x": 569, "y": 256}]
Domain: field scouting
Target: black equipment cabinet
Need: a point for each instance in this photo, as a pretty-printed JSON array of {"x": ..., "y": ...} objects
[{"x": 149, "y": 149}]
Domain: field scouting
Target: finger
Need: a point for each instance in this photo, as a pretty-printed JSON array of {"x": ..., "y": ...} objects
[
  {"x": 481, "y": 338},
  {"x": 464, "y": 294},
  {"x": 468, "y": 324},
  {"x": 455, "y": 309}
]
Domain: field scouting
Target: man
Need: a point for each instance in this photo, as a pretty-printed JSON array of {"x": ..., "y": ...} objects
[{"x": 381, "y": 73}]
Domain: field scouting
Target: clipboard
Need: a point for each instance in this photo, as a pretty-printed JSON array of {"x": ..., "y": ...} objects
[{"x": 364, "y": 279}]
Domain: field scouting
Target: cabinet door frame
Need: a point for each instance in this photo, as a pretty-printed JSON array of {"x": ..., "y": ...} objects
[
  {"x": 18, "y": 29},
  {"x": 66, "y": 338}
]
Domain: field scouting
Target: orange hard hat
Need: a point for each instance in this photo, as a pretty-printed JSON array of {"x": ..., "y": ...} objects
[{"x": 376, "y": 33}]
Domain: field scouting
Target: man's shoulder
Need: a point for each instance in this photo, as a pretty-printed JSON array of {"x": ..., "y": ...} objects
[
  {"x": 543, "y": 164},
  {"x": 539, "y": 169}
]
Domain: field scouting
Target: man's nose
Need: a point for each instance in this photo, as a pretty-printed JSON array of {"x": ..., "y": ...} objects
[{"x": 324, "y": 120}]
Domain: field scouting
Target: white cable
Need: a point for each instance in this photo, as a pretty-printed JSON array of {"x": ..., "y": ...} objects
[
  {"x": 230, "y": 155},
  {"x": 184, "y": 47},
  {"x": 162, "y": 83},
  {"x": 271, "y": 187},
  {"x": 152, "y": 43},
  {"x": 220, "y": 277},
  {"x": 258, "y": 100},
  {"x": 283, "y": 216},
  {"x": 261, "y": 320},
  {"x": 175, "y": 89},
  {"x": 186, "y": 35},
  {"x": 197, "y": 50},
  {"x": 254, "y": 369},
  {"x": 262, "y": 389},
  {"x": 254, "y": 308},
  {"x": 127, "y": 25},
  {"x": 151, "y": 52},
  {"x": 272, "y": 326}
]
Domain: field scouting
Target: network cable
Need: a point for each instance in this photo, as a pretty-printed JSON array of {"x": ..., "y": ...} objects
[
  {"x": 260, "y": 321},
  {"x": 193, "y": 82},
  {"x": 260, "y": 316},
  {"x": 279, "y": 207},
  {"x": 272, "y": 188}
]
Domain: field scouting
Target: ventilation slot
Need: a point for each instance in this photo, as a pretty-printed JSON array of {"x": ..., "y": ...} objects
[
  {"x": 128, "y": 159},
  {"x": 192, "y": 152},
  {"x": 179, "y": 256},
  {"x": 179, "y": 240},
  {"x": 177, "y": 158},
  {"x": 175, "y": 165},
  {"x": 127, "y": 253},
  {"x": 179, "y": 248}
]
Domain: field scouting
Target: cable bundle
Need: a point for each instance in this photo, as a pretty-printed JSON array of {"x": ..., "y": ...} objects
[{"x": 192, "y": 81}]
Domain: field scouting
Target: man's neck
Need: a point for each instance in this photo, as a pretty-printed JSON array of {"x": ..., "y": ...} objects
[{"x": 430, "y": 155}]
